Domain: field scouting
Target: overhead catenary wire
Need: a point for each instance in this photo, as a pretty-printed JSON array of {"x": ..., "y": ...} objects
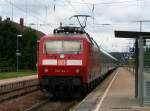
[
  {"x": 74, "y": 9},
  {"x": 26, "y": 9},
  {"x": 101, "y": 3},
  {"x": 118, "y": 2},
  {"x": 88, "y": 6},
  {"x": 12, "y": 11},
  {"x": 20, "y": 9},
  {"x": 96, "y": 24},
  {"x": 73, "y": 4}
]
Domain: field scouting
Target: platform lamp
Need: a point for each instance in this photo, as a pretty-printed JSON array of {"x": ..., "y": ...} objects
[{"x": 18, "y": 52}]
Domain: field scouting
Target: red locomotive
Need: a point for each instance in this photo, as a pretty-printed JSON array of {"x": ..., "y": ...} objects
[{"x": 70, "y": 62}]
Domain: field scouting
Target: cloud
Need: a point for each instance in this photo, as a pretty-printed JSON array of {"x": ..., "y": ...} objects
[{"x": 120, "y": 14}]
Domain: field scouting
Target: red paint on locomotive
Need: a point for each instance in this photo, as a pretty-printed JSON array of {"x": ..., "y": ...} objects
[
  {"x": 69, "y": 61},
  {"x": 88, "y": 59}
]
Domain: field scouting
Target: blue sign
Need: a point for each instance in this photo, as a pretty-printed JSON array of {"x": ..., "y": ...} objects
[{"x": 131, "y": 49}]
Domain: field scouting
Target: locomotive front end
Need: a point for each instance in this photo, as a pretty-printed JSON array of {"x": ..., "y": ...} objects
[{"x": 61, "y": 65}]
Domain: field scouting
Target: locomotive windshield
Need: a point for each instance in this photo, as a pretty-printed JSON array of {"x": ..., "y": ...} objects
[{"x": 63, "y": 46}]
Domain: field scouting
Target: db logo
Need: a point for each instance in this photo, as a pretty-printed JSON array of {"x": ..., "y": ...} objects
[{"x": 61, "y": 62}]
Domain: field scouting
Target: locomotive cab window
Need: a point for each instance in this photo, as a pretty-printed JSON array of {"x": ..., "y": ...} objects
[{"x": 63, "y": 46}]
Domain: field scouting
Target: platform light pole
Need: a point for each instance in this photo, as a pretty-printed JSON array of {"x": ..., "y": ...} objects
[{"x": 18, "y": 52}]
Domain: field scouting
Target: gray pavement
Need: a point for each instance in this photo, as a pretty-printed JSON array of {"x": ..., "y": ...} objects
[
  {"x": 120, "y": 96},
  {"x": 115, "y": 94},
  {"x": 17, "y": 79}
]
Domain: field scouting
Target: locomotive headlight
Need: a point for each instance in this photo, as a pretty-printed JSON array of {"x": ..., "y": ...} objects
[
  {"x": 46, "y": 70},
  {"x": 62, "y": 56},
  {"x": 77, "y": 70}
]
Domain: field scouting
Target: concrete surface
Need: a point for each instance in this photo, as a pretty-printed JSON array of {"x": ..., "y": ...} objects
[
  {"x": 12, "y": 80},
  {"x": 116, "y": 93}
]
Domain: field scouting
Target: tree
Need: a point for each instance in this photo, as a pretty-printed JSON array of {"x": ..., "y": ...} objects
[
  {"x": 8, "y": 42},
  {"x": 29, "y": 49},
  {"x": 8, "y": 34}
]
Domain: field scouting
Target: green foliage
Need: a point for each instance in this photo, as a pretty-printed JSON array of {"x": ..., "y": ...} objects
[
  {"x": 5, "y": 75},
  {"x": 8, "y": 34},
  {"x": 28, "y": 49},
  {"x": 8, "y": 42}
]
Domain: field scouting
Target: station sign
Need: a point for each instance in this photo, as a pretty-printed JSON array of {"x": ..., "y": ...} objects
[{"x": 18, "y": 54}]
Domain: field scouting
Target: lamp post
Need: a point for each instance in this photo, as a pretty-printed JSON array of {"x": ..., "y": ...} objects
[{"x": 17, "y": 52}]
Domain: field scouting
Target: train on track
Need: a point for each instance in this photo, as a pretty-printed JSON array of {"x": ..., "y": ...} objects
[{"x": 70, "y": 62}]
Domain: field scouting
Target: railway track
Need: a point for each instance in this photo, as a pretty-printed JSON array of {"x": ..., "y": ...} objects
[
  {"x": 17, "y": 88},
  {"x": 49, "y": 105}
]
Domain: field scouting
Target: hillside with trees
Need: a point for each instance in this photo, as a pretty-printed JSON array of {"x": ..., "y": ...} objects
[{"x": 8, "y": 45}]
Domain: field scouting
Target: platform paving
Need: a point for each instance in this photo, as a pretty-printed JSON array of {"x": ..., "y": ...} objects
[
  {"x": 17, "y": 79},
  {"x": 114, "y": 94}
]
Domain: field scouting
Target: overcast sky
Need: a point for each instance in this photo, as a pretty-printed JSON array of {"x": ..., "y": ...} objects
[{"x": 45, "y": 15}]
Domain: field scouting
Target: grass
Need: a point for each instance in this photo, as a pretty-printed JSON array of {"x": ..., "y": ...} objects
[{"x": 5, "y": 75}]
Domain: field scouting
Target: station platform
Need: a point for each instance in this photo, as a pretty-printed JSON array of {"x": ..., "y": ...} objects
[
  {"x": 17, "y": 79},
  {"x": 116, "y": 93}
]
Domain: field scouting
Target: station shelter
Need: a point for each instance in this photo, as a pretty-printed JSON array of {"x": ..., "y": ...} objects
[{"x": 142, "y": 64}]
